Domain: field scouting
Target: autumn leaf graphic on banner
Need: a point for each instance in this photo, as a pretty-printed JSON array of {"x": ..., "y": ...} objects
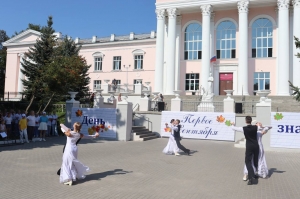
[
  {"x": 78, "y": 113},
  {"x": 228, "y": 123},
  {"x": 220, "y": 119},
  {"x": 278, "y": 116}
]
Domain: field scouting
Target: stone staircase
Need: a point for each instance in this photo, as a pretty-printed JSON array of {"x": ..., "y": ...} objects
[{"x": 140, "y": 133}]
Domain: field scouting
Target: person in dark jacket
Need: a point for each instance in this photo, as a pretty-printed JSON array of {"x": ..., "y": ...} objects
[
  {"x": 176, "y": 131},
  {"x": 252, "y": 147}
]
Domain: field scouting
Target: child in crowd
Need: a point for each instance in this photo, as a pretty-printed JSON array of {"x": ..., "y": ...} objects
[{"x": 23, "y": 128}]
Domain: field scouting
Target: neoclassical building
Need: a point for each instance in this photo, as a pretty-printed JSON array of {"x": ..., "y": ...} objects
[{"x": 251, "y": 40}]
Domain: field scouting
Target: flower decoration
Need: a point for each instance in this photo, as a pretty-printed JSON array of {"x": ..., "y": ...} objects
[
  {"x": 167, "y": 129},
  {"x": 220, "y": 119},
  {"x": 78, "y": 113},
  {"x": 278, "y": 116},
  {"x": 98, "y": 128},
  {"x": 228, "y": 123}
]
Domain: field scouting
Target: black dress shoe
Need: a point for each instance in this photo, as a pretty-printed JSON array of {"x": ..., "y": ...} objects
[
  {"x": 250, "y": 181},
  {"x": 188, "y": 152}
]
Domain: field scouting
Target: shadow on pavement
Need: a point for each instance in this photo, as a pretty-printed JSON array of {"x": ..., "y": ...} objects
[
  {"x": 274, "y": 170},
  {"x": 99, "y": 176}
]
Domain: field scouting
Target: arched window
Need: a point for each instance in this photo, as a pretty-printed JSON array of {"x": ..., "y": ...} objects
[
  {"x": 262, "y": 38},
  {"x": 226, "y": 34},
  {"x": 193, "y": 42}
]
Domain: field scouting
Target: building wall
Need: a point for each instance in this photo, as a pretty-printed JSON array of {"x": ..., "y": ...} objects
[{"x": 127, "y": 58}]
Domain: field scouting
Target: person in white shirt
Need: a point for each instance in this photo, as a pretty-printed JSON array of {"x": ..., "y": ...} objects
[
  {"x": 8, "y": 120},
  {"x": 37, "y": 124},
  {"x": 53, "y": 127},
  {"x": 30, "y": 125},
  {"x": 49, "y": 124}
]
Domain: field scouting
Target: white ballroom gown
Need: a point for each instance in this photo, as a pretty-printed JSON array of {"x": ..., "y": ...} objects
[
  {"x": 262, "y": 164},
  {"x": 171, "y": 147},
  {"x": 72, "y": 168}
]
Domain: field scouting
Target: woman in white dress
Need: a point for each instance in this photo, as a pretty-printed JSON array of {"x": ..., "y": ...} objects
[
  {"x": 71, "y": 167},
  {"x": 171, "y": 147},
  {"x": 262, "y": 170}
]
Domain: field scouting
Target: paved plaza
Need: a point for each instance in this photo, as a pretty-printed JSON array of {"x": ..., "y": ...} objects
[{"x": 132, "y": 170}]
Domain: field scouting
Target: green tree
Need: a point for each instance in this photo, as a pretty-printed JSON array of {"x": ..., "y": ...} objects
[
  {"x": 297, "y": 43},
  {"x": 3, "y": 54},
  {"x": 35, "y": 62},
  {"x": 295, "y": 89},
  {"x": 67, "y": 71}
]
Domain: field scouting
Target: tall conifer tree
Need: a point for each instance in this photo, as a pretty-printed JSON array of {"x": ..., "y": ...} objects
[{"x": 36, "y": 60}]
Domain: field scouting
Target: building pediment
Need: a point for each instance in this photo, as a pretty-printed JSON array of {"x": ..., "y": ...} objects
[{"x": 26, "y": 37}]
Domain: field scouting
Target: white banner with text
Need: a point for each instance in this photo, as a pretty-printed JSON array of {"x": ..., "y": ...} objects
[
  {"x": 200, "y": 125},
  {"x": 102, "y": 120},
  {"x": 285, "y": 130}
]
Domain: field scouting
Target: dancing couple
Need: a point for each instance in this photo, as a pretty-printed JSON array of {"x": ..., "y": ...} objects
[
  {"x": 71, "y": 168},
  {"x": 174, "y": 145},
  {"x": 255, "y": 161}
]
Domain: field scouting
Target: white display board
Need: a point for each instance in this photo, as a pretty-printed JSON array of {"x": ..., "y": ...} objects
[
  {"x": 285, "y": 130},
  {"x": 200, "y": 125},
  {"x": 102, "y": 120}
]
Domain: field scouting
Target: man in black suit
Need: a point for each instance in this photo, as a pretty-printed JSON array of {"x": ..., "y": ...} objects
[
  {"x": 176, "y": 132},
  {"x": 252, "y": 147}
]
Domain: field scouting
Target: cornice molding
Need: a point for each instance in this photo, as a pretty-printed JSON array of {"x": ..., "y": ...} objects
[
  {"x": 122, "y": 43},
  {"x": 27, "y": 32}
]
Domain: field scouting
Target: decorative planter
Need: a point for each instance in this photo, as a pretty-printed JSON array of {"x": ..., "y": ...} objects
[
  {"x": 106, "y": 81},
  {"x": 147, "y": 83},
  {"x": 73, "y": 94},
  {"x": 176, "y": 93},
  {"x": 228, "y": 93},
  {"x": 263, "y": 94}
]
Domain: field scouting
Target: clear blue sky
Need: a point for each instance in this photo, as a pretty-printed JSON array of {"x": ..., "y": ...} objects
[{"x": 79, "y": 18}]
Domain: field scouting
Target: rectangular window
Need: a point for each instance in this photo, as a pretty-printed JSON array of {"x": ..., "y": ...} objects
[
  {"x": 261, "y": 81},
  {"x": 192, "y": 81},
  {"x": 97, "y": 84},
  {"x": 138, "y": 62},
  {"x": 98, "y": 63},
  {"x": 117, "y": 63}
]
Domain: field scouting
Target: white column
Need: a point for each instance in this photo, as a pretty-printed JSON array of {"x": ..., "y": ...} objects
[
  {"x": 296, "y": 28},
  {"x": 212, "y": 49},
  {"x": 170, "y": 87},
  {"x": 21, "y": 75},
  {"x": 283, "y": 48},
  {"x": 243, "y": 48},
  {"x": 206, "y": 11},
  {"x": 159, "y": 64},
  {"x": 177, "y": 57}
]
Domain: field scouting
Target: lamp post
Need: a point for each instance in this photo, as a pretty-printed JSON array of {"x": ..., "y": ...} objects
[{"x": 127, "y": 67}]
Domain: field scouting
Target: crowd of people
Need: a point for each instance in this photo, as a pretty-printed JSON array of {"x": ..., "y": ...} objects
[{"x": 28, "y": 127}]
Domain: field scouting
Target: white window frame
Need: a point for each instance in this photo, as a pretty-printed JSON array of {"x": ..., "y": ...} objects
[
  {"x": 98, "y": 63},
  {"x": 189, "y": 45},
  {"x": 260, "y": 39},
  {"x": 261, "y": 77},
  {"x": 227, "y": 49},
  {"x": 96, "y": 84},
  {"x": 138, "y": 62},
  {"x": 192, "y": 81},
  {"x": 117, "y": 63}
]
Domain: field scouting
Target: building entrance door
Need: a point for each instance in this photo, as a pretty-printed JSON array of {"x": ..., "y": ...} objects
[{"x": 226, "y": 82}]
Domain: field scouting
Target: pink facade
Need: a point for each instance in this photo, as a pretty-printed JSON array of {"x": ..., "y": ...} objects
[{"x": 254, "y": 60}]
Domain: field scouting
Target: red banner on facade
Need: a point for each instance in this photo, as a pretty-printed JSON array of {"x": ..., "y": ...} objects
[{"x": 226, "y": 76}]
